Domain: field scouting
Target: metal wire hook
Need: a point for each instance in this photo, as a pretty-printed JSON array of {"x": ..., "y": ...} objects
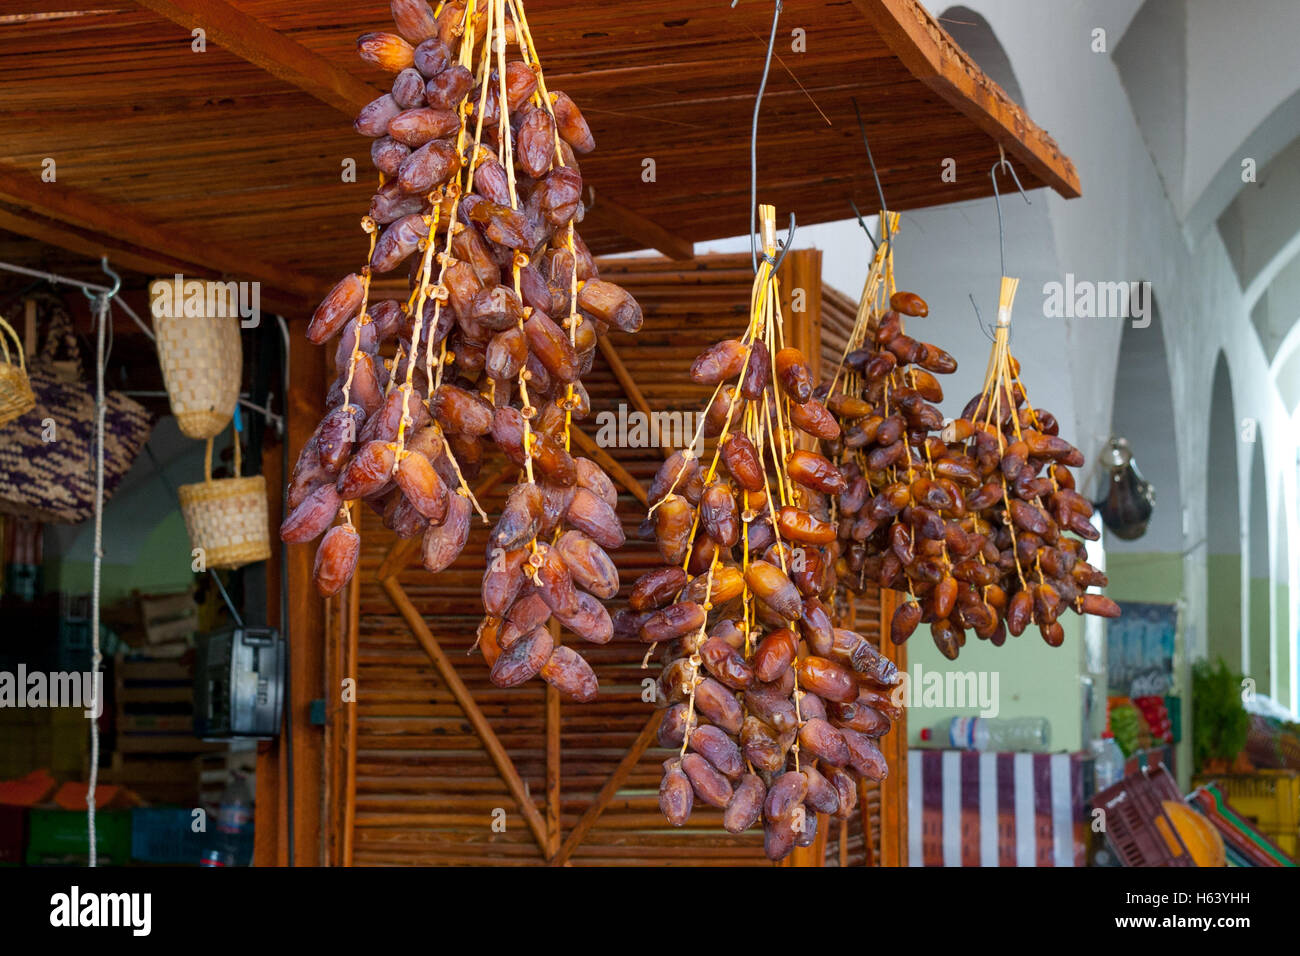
[
  {"x": 785, "y": 246},
  {"x": 753, "y": 142},
  {"x": 107, "y": 293},
  {"x": 997, "y": 200},
  {"x": 979, "y": 319}
]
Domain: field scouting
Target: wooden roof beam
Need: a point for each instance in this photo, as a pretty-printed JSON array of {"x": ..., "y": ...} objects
[
  {"x": 287, "y": 60},
  {"x": 86, "y": 223},
  {"x": 929, "y": 53},
  {"x": 269, "y": 50},
  {"x": 614, "y": 216}
]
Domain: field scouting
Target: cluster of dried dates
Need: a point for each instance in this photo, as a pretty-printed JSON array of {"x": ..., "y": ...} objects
[
  {"x": 968, "y": 517},
  {"x": 479, "y": 195},
  {"x": 775, "y": 712}
]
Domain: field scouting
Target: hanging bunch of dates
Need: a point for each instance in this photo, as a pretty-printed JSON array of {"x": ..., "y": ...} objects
[
  {"x": 773, "y": 711},
  {"x": 969, "y": 517},
  {"x": 479, "y": 197}
]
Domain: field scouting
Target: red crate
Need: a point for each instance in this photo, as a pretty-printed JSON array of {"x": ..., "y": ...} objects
[{"x": 1137, "y": 826}]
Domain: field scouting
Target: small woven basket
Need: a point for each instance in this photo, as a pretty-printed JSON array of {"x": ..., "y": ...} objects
[
  {"x": 16, "y": 397},
  {"x": 227, "y": 517},
  {"x": 202, "y": 364}
]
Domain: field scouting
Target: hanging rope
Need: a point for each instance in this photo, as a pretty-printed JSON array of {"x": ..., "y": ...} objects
[{"x": 100, "y": 306}]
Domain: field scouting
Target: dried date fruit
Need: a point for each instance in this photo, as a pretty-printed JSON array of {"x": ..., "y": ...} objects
[
  {"x": 444, "y": 542},
  {"x": 336, "y": 559}
]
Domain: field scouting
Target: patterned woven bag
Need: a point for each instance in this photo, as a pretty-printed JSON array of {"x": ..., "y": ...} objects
[{"x": 47, "y": 455}]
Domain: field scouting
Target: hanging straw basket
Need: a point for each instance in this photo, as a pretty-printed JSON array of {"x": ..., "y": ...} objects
[
  {"x": 16, "y": 397},
  {"x": 202, "y": 364},
  {"x": 227, "y": 517}
]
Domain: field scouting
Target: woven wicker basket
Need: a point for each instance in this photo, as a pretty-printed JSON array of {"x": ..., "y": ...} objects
[
  {"x": 227, "y": 517},
  {"x": 202, "y": 364},
  {"x": 16, "y": 397}
]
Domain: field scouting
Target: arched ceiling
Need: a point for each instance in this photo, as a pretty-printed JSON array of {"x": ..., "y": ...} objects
[{"x": 1214, "y": 86}]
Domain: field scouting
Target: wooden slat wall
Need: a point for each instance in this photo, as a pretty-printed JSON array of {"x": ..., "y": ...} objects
[{"x": 425, "y": 787}]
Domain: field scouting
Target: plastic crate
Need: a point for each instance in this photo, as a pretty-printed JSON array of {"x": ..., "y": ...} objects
[
  {"x": 1270, "y": 799},
  {"x": 59, "y": 837},
  {"x": 165, "y": 835},
  {"x": 1136, "y": 824}
]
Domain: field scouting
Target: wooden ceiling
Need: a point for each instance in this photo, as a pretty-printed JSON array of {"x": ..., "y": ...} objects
[{"x": 229, "y": 161}]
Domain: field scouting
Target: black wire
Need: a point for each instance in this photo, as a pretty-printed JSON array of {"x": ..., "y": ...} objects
[
  {"x": 880, "y": 191},
  {"x": 997, "y": 201},
  {"x": 753, "y": 143}
]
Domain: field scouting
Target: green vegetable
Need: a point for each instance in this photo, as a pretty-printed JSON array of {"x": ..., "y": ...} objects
[
  {"x": 1125, "y": 726},
  {"x": 1219, "y": 721}
]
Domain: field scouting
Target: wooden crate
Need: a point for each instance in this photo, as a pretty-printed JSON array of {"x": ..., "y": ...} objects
[
  {"x": 169, "y": 617},
  {"x": 157, "y": 753}
]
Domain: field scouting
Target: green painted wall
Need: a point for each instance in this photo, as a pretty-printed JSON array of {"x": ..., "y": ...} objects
[
  {"x": 1223, "y": 596},
  {"x": 162, "y": 565},
  {"x": 1285, "y": 640},
  {"x": 1033, "y": 680},
  {"x": 1154, "y": 577},
  {"x": 1258, "y": 622}
]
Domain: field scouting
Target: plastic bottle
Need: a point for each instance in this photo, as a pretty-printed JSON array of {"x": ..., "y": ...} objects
[
  {"x": 232, "y": 838},
  {"x": 1108, "y": 761},
  {"x": 1032, "y": 734}
]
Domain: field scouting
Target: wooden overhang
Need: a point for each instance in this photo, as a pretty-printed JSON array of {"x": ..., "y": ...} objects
[{"x": 229, "y": 161}]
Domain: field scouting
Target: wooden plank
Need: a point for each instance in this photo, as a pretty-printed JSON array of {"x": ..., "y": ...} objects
[
  {"x": 931, "y": 55},
  {"x": 607, "y": 213},
  {"x": 267, "y": 779},
  {"x": 801, "y": 269},
  {"x": 611, "y": 787},
  {"x": 123, "y": 254},
  {"x": 92, "y": 212},
  {"x": 267, "y": 49},
  {"x": 306, "y": 627},
  {"x": 351, "y": 721},
  {"x": 482, "y": 728}
]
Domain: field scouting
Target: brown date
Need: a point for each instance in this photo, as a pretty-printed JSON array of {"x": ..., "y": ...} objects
[
  {"x": 719, "y": 362},
  {"x": 771, "y": 586},
  {"x": 719, "y": 749},
  {"x": 793, "y": 374},
  {"x": 570, "y": 674},
  {"x": 676, "y": 795},
  {"x": 336, "y": 559},
  {"x": 709, "y": 785},
  {"x": 775, "y": 654},
  {"x": 523, "y": 659},
  {"x": 746, "y": 804},
  {"x": 335, "y": 309},
  {"x": 827, "y": 679}
]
